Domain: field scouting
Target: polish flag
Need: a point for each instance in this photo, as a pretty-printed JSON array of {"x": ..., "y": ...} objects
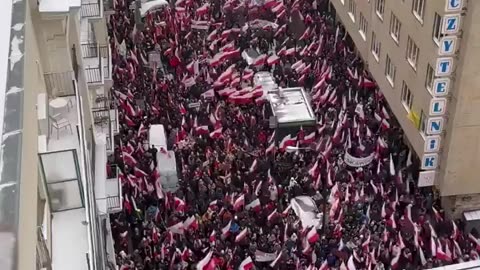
[
  {"x": 254, "y": 205},
  {"x": 270, "y": 4},
  {"x": 191, "y": 222},
  {"x": 312, "y": 235},
  {"x": 351, "y": 263},
  {"x": 217, "y": 133},
  {"x": 127, "y": 158},
  {"x": 213, "y": 237},
  {"x": 139, "y": 173},
  {"x": 241, "y": 235},
  {"x": 441, "y": 255},
  {"x": 203, "y": 9},
  {"x": 313, "y": 171},
  {"x": 213, "y": 205},
  {"x": 272, "y": 215},
  {"x": 271, "y": 148},
  {"x": 273, "y": 60},
  {"x": 290, "y": 51},
  {"x": 239, "y": 202},
  {"x": 226, "y": 229},
  {"x": 204, "y": 263},
  {"x": 180, "y": 204},
  {"x": 260, "y": 60},
  {"x": 202, "y": 130},
  {"x": 246, "y": 264},
  {"x": 129, "y": 108},
  {"x": 394, "y": 262},
  {"x": 287, "y": 141},
  {"x": 177, "y": 228},
  {"x": 254, "y": 166}
]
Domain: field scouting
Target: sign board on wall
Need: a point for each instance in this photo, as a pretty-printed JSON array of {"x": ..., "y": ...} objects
[{"x": 426, "y": 178}]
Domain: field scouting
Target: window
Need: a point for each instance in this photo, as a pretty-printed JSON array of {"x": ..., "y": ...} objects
[
  {"x": 395, "y": 26},
  {"x": 380, "y": 8},
  {"x": 412, "y": 53},
  {"x": 423, "y": 122},
  {"x": 407, "y": 97},
  {"x": 437, "y": 28},
  {"x": 376, "y": 46},
  {"x": 418, "y": 7},
  {"x": 363, "y": 26},
  {"x": 352, "y": 9},
  {"x": 429, "y": 78},
  {"x": 390, "y": 70}
]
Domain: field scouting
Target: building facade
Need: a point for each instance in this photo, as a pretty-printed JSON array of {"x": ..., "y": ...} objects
[
  {"x": 58, "y": 127},
  {"x": 422, "y": 55}
]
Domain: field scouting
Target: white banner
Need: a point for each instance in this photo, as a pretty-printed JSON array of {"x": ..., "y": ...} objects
[
  {"x": 358, "y": 162},
  {"x": 261, "y": 256},
  {"x": 305, "y": 208}
]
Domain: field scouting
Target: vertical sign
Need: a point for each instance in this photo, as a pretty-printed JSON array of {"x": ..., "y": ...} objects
[{"x": 444, "y": 70}]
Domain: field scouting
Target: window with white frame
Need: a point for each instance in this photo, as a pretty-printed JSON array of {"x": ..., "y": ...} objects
[
  {"x": 380, "y": 8},
  {"x": 429, "y": 78},
  {"x": 418, "y": 8},
  {"x": 362, "y": 27},
  {"x": 395, "y": 26},
  {"x": 412, "y": 53},
  {"x": 407, "y": 96},
  {"x": 437, "y": 28},
  {"x": 390, "y": 70},
  {"x": 376, "y": 47},
  {"x": 423, "y": 122},
  {"x": 352, "y": 9}
]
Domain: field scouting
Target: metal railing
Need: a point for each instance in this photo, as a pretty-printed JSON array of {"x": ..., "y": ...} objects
[
  {"x": 114, "y": 201},
  {"x": 43, "y": 255},
  {"x": 90, "y": 50},
  {"x": 60, "y": 83},
  {"x": 89, "y": 10},
  {"x": 93, "y": 74}
]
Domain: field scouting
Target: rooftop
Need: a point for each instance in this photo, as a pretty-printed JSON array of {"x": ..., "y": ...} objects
[{"x": 291, "y": 105}]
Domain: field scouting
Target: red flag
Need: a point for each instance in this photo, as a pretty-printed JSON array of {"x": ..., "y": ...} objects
[
  {"x": 239, "y": 202},
  {"x": 246, "y": 264},
  {"x": 254, "y": 205},
  {"x": 241, "y": 235},
  {"x": 180, "y": 204},
  {"x": 312, "y": 235}
]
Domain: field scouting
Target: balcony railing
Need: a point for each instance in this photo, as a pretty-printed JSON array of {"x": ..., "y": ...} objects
[
  {"x": 93, "y": 74},
  {"x": 114, "y": 188},
  {"x": 105, "y": 54},
  {"x": 90, "y": 50},
  {"x": 43, "y": 255},
  {"x": 90, "y": 10},
  {"x": 60, "y": 83}
]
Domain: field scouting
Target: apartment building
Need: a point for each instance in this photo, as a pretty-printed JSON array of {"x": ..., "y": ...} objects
[
  {"x": 58, "y": 124},
  {"x": 423, "y": 55}
]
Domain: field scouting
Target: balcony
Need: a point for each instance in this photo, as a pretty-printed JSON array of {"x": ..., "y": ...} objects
[
  {"x": 91, "y": 9},
  {"x": 113, "y": 190},
  {"x": 97, "y": 62},
  {"x": 108, "y": 193}
]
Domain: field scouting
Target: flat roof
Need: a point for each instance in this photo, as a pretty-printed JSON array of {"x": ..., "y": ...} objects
[{"x": 291, "y": 105}]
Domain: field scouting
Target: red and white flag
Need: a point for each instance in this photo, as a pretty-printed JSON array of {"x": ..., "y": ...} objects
[
  {"x": 191, "y": 222},
  {"x": 217, "y": 133},
  {"x": 246, "y": 264},
  {"x": 241, "y": 236},
  {"x": 203, "y": 264},
  {"x": 312, "y": 235},
  {"x": 226, "y": 229},
  {"x": 239, "y": 202},
  {"x": 272, "y": 215},
  {"x": 310, "y": 138},
  {"x": 270, "y": 148},
  {"x": 180, "y": 204},
  {"x": 254, "y": 205}
]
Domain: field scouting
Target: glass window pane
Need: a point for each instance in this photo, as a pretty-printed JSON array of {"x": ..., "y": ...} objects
[
  {"x": 65, "y": 195},
  {"x": 59, "y": 166}
]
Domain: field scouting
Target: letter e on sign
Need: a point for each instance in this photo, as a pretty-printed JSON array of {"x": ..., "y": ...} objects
[{"x": 441, "y": 86}]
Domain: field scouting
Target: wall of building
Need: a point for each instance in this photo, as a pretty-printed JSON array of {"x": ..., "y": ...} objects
[
  {"x": 33, "y": 79},
  {"x": 462, "y": 141}
]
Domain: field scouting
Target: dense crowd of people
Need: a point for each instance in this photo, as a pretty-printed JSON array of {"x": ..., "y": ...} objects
[{"x": 237, "y": 177}]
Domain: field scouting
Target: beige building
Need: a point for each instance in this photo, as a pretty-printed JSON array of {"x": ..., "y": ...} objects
[
  {"x": 424, "y": 56},
  {"x": 58, "y": 129}
]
